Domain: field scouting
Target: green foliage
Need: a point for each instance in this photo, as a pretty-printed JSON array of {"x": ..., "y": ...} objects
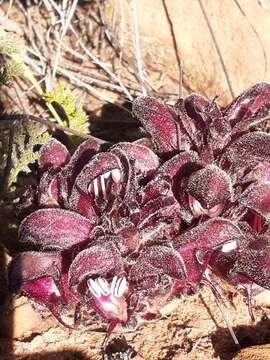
[
  {"x": 11, "y": 68},
  {"x": 71, "y": 106},
  {"x": 8, "y": 43},
  {"x": 10, "y": 63},
  {"x": 19, "y": 144}
]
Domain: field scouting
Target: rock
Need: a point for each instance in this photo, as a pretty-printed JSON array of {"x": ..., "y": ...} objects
[
  {"x": 263, "y": 298},
  {"x": 243, "y": 50},
  {"x": 261, "y": 352},
  {"x": 21, "y": 320}
]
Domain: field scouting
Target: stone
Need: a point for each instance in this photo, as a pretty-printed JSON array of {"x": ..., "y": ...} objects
[{"x": 261, "y": 352}]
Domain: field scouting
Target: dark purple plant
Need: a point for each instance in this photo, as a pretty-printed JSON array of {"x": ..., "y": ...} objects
[{"x": 124, "y": 230}]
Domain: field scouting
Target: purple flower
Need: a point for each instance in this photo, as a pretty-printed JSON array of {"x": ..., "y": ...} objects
[
  {"x": 96, "y": 216},
  {"x": 225, "y": 176},
  {"x": 123, "y": 230}
]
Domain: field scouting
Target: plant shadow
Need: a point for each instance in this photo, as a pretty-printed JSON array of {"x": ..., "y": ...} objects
[
  {"x": 54, "y": 355},
  {"x": 115, "y": 124},
  {"x": 6, "y": 328},
  {"x": 247, "y": 335}
]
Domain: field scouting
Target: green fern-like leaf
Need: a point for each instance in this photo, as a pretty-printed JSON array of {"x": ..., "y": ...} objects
[
  {"x": 8, "y": 43},
  {"x": 21, "y": 149},
  {"x": 9, "y": 70},
  {"x": 10, "y": 62},
  {"x": 71, "y": 105}
]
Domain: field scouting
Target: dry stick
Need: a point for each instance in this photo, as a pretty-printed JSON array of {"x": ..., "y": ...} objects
[
  {"x": 114, "y": 18},
  {"x": 122, "y": 31},
  {"x": 74, "y": 53},
  {"x": 25, "y": 92},
  {"x": 9, "y": 8},
  {"x": 101, "y": 83},
  {"x": 118, "y": 48},
  {"x": 217, "y": 49},
  {"x": 101, "y": 15},
  {"x": 100, "y": 80},
  {"x": 8, "y": 162},
  {"x": 258, "y": 37},
  {"x": 110, "y": 37},
  {"x": 88, "y": 87},
  {"x": 137, "y": 45},
  {"x": 27, "y": 72},
  {"x": 19, "y": 100},
  {"x": 91, "y": 80},
  {"x": 97, "y": 62},
  {"x": 130, "y": 65},
  {"x": 31, "y": 51},
  {"x": 92, "y": 57},
  {"x": 39, "y": 47},
  {"x": 54, "y": 21},
  {"x": 176, "y": 51},
  {"x": 30, "y": 31},
  {"x": 65, "y": 28},
  {"x": 42, "y": 45},
  {"x": 27, "y": 60},
  {"x": 5, "y": 118},
  {"x": 35, "y": 49},
  {"x": 263, "y": 4}
]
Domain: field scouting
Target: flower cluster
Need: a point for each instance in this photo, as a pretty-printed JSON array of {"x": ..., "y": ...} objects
[{"x": 123, "y": 230}]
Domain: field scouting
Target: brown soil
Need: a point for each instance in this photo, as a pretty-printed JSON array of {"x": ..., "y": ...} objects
[{"x": 195, "y": 330}]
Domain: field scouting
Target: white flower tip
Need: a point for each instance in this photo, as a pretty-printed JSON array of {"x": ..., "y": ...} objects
[
  {"x": 94, "y": 288},
  {"x": 114, "y": 281},
  {"x": 104, "y": 286},
  {"x": 122, "y": 287},
  {"x": 100, "y": 287},
  {"x": 119, "y": 286},
  {"x": 232, "y": 245},
  {"x": 116, "y": 175}
]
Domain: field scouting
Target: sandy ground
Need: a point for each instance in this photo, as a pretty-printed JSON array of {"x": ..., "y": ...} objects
[{"x": 195, "y": 330}]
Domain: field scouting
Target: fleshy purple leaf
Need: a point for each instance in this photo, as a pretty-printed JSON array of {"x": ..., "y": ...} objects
[
  {"x": 159, "y": 120},
  {"x": 41, "y": 277},
  {"x": 54, "y": 155},
  {"x": 260, "y": 173},
  {"x": 79, "y": 159},
  {"x": 32, "y": 265},
  {"x": 49, "y": 189},
  {"x": 44, "y": 291},
  {"x": 223, "y": 260},
  {"x": 172, "y": 171},
  {"x": 144, "y": 160},
  {"x": 55, "y": 228},
  {"x": 210, "y": 186},
  {"x": 98, "y": 181},
  {"x": 250, "y": 148},
  {"x": 254, "y": 263},
  {"x": 97, "y": 261},
  {"x": 147, "y": 142},
  {"x": 155, "y": 262},
  {"x": 257, "y": 197},
  {"x": 210, "y": 234},
  {"x": 197, "y": 245},
  {"x": 254, "y": 102},
  {"x": 128, "y": 181},
  {"x": 158, "y": 211}
]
